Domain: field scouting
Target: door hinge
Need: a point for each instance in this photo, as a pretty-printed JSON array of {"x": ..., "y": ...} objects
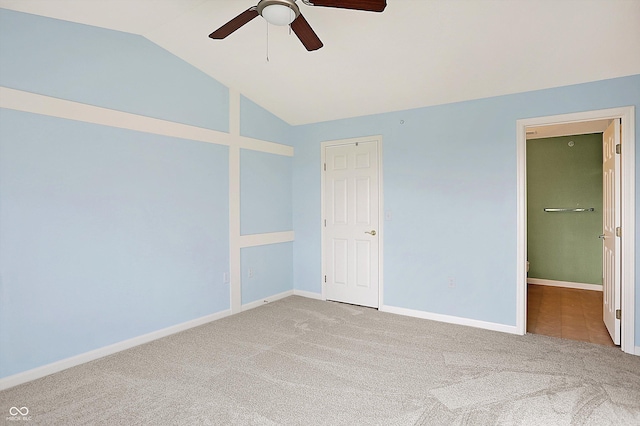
[
  {"x": 325, "y": 167},
  {"x": 618, "y": 313},
  {"x": 325, "y": 278},
  {"x": 325, "y": 223},
  {"x": 618, "y": 149},
  {"x": 618, "y": 232}
]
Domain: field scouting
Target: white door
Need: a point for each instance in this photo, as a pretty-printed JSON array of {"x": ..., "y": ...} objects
[
  {"x": 351, "y": 232},
  {"x": 610, "y": 221}
]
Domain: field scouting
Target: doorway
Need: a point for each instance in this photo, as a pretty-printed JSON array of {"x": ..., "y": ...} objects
[
  {"x": 351, "y": 227},
  {"x": 568, "y": 123},
  {"x": 564, "y": 227}
]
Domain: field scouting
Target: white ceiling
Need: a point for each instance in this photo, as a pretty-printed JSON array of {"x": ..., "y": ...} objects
[{"x": 416, "y": 53}]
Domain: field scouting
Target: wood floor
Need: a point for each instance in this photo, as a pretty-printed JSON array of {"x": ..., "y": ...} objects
[{"x": 567, "y": 313}]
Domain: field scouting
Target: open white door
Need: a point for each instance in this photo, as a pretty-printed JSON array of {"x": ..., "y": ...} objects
[
  {"x": 351, "y": 231},
  {"x": 611, "y": 268}
]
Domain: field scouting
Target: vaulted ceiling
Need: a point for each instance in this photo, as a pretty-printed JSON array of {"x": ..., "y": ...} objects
[{"x": 416, "y": 53}]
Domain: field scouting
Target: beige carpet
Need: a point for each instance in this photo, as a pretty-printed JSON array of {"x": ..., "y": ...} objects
[{"x": 304, "y": 362}]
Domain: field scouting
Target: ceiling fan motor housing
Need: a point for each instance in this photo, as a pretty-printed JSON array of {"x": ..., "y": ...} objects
[{"x": 278, "y": 12}]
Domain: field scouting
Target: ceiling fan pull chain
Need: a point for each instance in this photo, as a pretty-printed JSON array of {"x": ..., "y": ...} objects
[{"x": 267, "y": 42}]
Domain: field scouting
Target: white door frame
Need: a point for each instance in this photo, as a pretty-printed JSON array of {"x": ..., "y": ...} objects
[
  {"x": 323, "y": 146},
  {"x": 628, "y": 214}
]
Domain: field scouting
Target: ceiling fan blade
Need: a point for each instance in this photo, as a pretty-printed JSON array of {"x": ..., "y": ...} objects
[
  {"x": 306, "y": 34},
  {"x": 234, "y": 24},
  {"x": 368, "y": 5}
]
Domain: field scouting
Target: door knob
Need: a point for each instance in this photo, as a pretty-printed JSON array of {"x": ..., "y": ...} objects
[
  {"x": 601, "y": 236},
  {"x": 372, "y": 232}
]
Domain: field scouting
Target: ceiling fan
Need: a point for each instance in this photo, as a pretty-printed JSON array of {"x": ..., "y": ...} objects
[{"x": 286, "y": 12}]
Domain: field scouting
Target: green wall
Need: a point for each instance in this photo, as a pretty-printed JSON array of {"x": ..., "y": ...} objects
[{"x": 564, "y": 246}]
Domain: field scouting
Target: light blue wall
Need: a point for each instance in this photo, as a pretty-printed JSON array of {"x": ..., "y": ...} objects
[
  {"x": 272, "y": 271},
  {"x": 107, "y": 234},
  {"x": 256, "y": 122},
  {"x": 107, "y": 68},
  {"x": 265, "y": 192},
  {"x": 265, "y": 204},
  {"x": 450, "y": 184}
]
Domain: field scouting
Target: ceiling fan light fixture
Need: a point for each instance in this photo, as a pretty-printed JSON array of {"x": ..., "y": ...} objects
[{"x": 278, "y": 12}]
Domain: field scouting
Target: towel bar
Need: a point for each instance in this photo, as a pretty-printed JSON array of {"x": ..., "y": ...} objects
[{"x": 590, "y": 209}]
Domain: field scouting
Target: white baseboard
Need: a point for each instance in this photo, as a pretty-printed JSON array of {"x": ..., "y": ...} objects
[
  {"x": 253, "y": 305},
  {"x": 637, "y": 350},
  {"x": 308, "y": 294},
  {"x": 567, "y": 284},
  {"x": 450, "y": 319},
  {"x": 63, "y": 364}
]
